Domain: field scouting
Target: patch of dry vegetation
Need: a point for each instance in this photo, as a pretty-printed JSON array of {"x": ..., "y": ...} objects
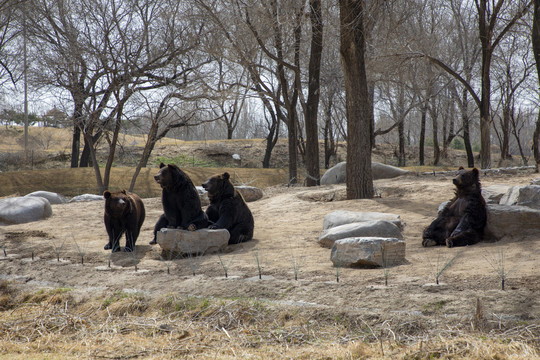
[{"x": 127, "y": 325}]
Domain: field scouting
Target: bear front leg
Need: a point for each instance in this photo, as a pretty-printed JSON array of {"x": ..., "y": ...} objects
[
  {"x": 160, "y": 224},
  {"x": 130, "y": 243}
]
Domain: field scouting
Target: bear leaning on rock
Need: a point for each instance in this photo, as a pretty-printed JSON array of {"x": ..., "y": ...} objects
[
  {"x": 463, "y": 219},
  {"x": 181, "y": 203},
  {"x": 228, "y": 209},
  {"x": 124, "y": 213}
]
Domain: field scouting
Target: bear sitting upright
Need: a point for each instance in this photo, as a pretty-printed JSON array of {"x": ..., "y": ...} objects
[
  {"x": 181, "y": 203},
  {"x": 463, "y": 219},
  {"x": 124, "y": 212},
  {"x": 228, "y": 209}
]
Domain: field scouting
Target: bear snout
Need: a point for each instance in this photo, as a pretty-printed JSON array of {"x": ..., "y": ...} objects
[{"x": 205, "y": 186}]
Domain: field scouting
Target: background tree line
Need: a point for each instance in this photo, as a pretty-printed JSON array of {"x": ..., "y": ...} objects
[{"x": 410, "y": 73}]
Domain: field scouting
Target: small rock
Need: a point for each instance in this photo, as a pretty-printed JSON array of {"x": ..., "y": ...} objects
[
  {"x": 197, "y": 242},
  {"x": 368, "y": 252},
  {"x": 342, "y": 217},
  {"x": 493, "y": 193}
]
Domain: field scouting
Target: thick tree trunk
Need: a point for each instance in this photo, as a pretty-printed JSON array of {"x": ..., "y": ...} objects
[
  {"x": 312, "y": 106},
  {"x": 352, "y": 50},
  {"x": 422, "y": 141},
  {"x": 536, "y": 50}
]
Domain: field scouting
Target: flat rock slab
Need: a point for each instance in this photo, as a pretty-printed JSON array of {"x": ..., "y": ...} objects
[
  {"x": 19, "y": 210},
  {"x": 342, "y": 217},
  {"x": 368, "y": 252},
  {"x": 53, "y": 198},
  {"x": 371, "y": 228},
  {"x": 199, "y": 242},
  {"x": 86, "y": 197},
  {"x": 337, "y": 174}
]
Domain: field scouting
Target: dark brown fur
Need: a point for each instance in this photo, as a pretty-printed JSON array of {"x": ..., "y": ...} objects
[{"x": 124, "y": 213}]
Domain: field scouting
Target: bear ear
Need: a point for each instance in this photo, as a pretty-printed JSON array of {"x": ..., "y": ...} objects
[
  {"x": 475, "y": 171},
  {"x": 106, "y": 194},
  {"x": 460, "y": 168},
  {"x": 124, "y": 191},
  {"x": 161, "y": 165},
  {"x": 226, "y": 176}
]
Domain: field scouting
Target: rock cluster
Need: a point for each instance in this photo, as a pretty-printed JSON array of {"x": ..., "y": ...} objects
[{"x": 364, "y": 239}]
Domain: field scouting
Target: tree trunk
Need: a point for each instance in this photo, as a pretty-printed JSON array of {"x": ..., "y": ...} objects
[
  {"x": 75, "y": 146},
  {"x": 352, "y": 50},
  {"x": 329, "y": 143},
  {"x": 536, "y": 50},
  {"x": 422, "y": 141},
  {"x": 436, "y": 149},
  {"x": 312, "y": 106}
]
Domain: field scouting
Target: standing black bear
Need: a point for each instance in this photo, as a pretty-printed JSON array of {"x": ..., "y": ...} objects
[
  {"x": 124, "y": 212},
  {"x": 463, "y": 219},
  {"x": 228, "y": 209},
  {"x": 180, "y": 200}
]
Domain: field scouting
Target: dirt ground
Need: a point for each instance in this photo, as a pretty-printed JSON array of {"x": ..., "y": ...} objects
[{"x": 288, "y": 221}]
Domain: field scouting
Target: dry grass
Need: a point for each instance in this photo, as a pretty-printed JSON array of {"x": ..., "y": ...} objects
[{"x": 53, "y": 324}]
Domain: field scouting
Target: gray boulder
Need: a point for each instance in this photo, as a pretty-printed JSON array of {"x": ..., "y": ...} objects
[
  {"x": 371, "y": 228},
  {"x": 342, "y": 217},
  {"x": 19, "y": 210},
  {"x": 53, "y": 198},
  {"x": 493, "y": 193},
  {"x": 528, "y": 195},
  {"x": 368, "y": 252},
  {"x": 337, "y": 174},
  {"x": 511, "y": 221},
  {"x": 86, "y": 197},
  {"x": 197, "y": 242},
  {"x": 250, "y": 193}
]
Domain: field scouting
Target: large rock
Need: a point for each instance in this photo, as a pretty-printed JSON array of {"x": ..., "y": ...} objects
[
  {"x": 511, "y": 221},
  {"x": 528, "y": 195},
  {"x": 197, "y": 242},
  {"x": 337, "y": 174},
  {"x": 18, "y": 210},
  {"x": 342, "y": 217},
  {"x": 368, "y": 252},
  {"x": 371, "y": 228},
  {"x": 249, "y": 193},
  {"x": 53, "y": 198},
  {"x": 493, "y": 193}
]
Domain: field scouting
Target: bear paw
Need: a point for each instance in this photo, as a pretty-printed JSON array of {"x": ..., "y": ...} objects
[
  {"x": 128, "y": 249},
  {"x": 428, "y": 242},
  {"x": 449, "y": 243},
  {"x": 107, "y": 247},
  {"x": 153, "y": 242},
  {"x": 117, "y": 249},
  {"x": 213, "y": 227},
  {"x": 192, "y": 227}
]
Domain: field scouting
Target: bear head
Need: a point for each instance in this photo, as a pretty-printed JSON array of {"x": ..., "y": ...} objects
[
  {"x": 170, "y": 176},
  {"x": 117, "y": 203},
  {"x": 219, "y": 186},
  {"x": 467, "y": 179}
]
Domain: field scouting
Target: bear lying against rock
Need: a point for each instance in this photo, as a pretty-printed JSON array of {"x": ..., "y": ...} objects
[
  {"x": 181, "y": 203},
  {"x": 463, "y": 219},
  {"x": 228, "y": 209},
  {"x": 124, "y": 212}
]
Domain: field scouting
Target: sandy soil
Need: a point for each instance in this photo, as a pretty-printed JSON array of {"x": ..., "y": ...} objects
[{"x": 288, "y": 222}]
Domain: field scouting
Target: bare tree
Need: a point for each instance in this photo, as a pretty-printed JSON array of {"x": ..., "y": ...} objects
[{"x": 359, "y": 174}]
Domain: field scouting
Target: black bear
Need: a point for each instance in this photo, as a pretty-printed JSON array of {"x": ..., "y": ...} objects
[
  {"x": 463, "y": 219},
  {"x": 228, "y": 209},
  {"x": 124, "y": 212},
  {"x": 181, "y": 203}
]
